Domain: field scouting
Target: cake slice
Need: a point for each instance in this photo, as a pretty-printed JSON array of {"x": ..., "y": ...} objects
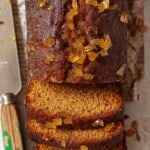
[
  {"x": 74, "y": 104},
  {"x": 92, "y": 139},
  {"x": 77, "y": 41}
]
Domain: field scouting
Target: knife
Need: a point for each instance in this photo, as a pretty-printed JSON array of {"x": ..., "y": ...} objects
[{"x": 10, "y": 81}]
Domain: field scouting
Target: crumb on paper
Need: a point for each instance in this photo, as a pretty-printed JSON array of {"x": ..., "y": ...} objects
[
  {"x": 1, "y": 22},
  {"x": 8, "y": 1},
  {"x": 126, "y": 116},
  {"x": 130, "y": 133},
  {"x": 137, "y": 25},
  {"x": 138, "y": 136},
  {"x": 124, "y": 17},
  {"x": 121, "y": 70},
  {"x": 12, "y": 37},
  {"x": 135, "y": 125},
  {"x": 134, "y": 131}
]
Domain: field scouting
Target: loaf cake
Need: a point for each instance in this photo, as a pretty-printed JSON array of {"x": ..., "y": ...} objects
[
  {"x": 111, "y": 134},
  {"x": 74, "y": 104},
  {"x": 82, "y": 41}
]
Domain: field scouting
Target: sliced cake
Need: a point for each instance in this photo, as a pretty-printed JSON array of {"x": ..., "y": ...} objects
[
  {"x": 74, "y": 104},
  {"x": 84, "y": 42},
  {"x": 92, "y": 139}
]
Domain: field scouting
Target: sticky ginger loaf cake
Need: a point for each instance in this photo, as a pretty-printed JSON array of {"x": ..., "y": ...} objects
[{"x": 82, "y": 41}]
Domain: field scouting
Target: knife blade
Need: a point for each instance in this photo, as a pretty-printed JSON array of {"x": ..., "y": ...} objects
[{"x": 10, "y": 81}]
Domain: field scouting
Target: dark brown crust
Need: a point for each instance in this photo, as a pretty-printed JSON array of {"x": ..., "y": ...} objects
[
  {"x": 91, "y": 146},
  {"x": 42, "y": 23},
  {"x": 43, "y": 116},
  {"x": 120, "y": 146},
  {"x": 38, "y": 137}
]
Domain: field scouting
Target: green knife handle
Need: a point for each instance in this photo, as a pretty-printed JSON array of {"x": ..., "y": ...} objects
[{"x": 10, "y": 125}]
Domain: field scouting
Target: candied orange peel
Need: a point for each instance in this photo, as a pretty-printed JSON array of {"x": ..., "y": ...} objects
[
  {"x": 88, "y": 76},
  {"x": 121, "y": 70},
  {"x": 91, "y": 2},
  {"x": 124, "y": 17},
  {"x": 63, "y": 143},
  {"x": 75, "y": 4},
  {"x": 31, "y": 48},
  {"x": 54, "y": 123},
  {"x": 83, "y": 147},
  {"x": 102, "y": 6},
  {"x": 79, "y": 56},
  {"x": 109, "y": 127},
  {"x": 78, "y": 44},
  {"x": 57, "y": 121},
  {"x": 81, "y": 59},
  {"x": 105, "y": 43},
  {"x": 92, "y": 56},
  {"x": 50, "y": 58},
  {"x": 42, "y": 3},
  {"x": 89, "y": 48},
  {"x": 50, "y": 125},
  {"x": 79, "y": 70},
  {"x": 106, "y": 4},
  {"x": 73, "y": 57},
  {"x": 67, "y": 121},
  {"x": 50, "y": 42},
  {"x": 71, "y": 14}
]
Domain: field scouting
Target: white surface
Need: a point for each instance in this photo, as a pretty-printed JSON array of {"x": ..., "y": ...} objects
[{"x": 140, "y": 110}]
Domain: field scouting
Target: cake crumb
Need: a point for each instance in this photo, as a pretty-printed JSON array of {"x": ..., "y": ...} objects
[
  {"x": 120, "y": 71},
  {"x": 124, "y": 17},
  {"x": 126, "y": 116},
  {"x": 135, "y": 125},
  {"x": 12, "y": 37},
  {"x": 83, "y": 147},
  {"x": 134, "y": 130},
  {"x": 1, "y": 22},
  {"x": 138, "y": 136},
  {"x": 130, "y": 132}
]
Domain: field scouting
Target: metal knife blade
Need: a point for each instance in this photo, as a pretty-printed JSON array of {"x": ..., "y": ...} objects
[{"x": 10, "y": 80}]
